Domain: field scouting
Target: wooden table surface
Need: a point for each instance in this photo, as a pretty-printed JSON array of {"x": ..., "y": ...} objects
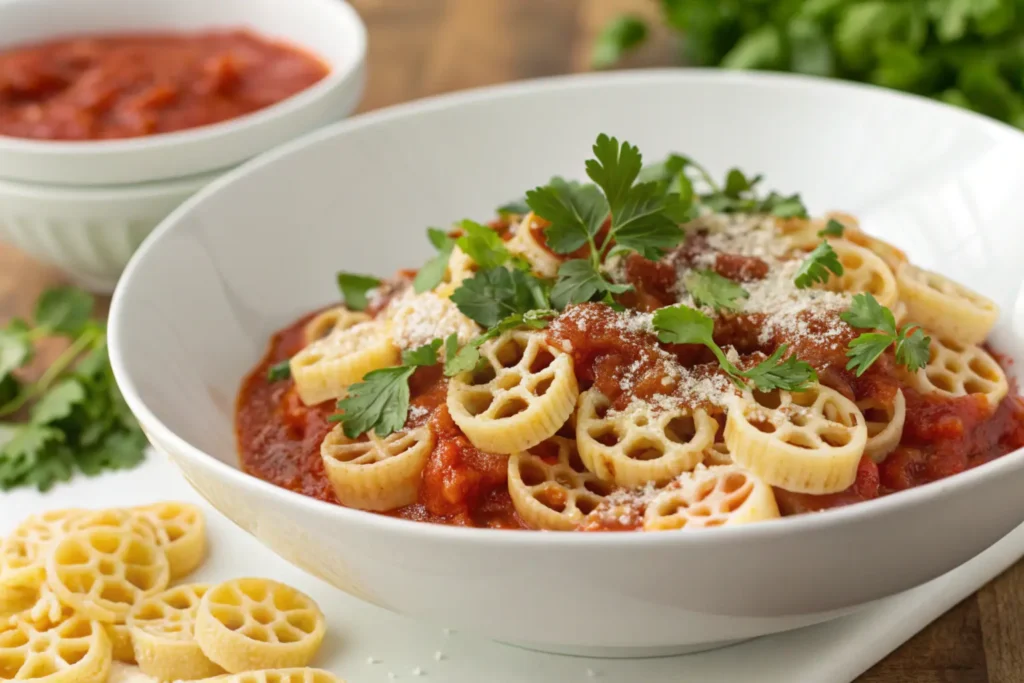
[{"x": 424, "y": 47}]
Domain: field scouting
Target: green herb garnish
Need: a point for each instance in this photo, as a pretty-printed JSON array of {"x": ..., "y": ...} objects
[
  {"x": 832, "y": 229},
  {"x": 354, "y": 287},
  {"x": 818, "y": 267},
  {"x": 74, "y": 417},
  {"x": 684, "y": 325},
  {"x": 912, "y": 346},
  {"x": 279, "y": 371},
  {"x": 708, "y": 288},
  {"x": 432, "y": 272}
]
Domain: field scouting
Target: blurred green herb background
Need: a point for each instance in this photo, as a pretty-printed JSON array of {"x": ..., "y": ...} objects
[{"x": 969, "y": 53}]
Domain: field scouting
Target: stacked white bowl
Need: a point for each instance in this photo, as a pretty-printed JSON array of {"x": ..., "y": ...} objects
[{"x": 85, "y": 206}]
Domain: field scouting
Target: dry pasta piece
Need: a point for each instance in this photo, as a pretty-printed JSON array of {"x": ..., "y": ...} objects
[
  {"x": 102, "y": 572},
  {"x": 863, "y": 271},
  {"x": 21, "y": 590},
  {"x": 26, "y": 547},
  {"x": 808, "y": 442},
  {"x": 885, "y": 424},
  {"x": 956, "y": 369},
  {"x": 325, "y": 369},
  {"x": 551, "y": 488},
  {"x": 303, "y": 675},
  {"x": 945, "y": 307},
  {"x": 249, "y": 624},
  {"x": 332, "y": 320},
  {"x": 523, "y": 393},
  {"x": 162, "y": 629},
  {"x": 376, "y": 473},
  {"x": 418, "y": 319},
  {"x": 112, "y": 518},
  {"x": 642, "y": 443},
  {"x": 711, "y": 496},
  {"x": 525, "y": 243},
  {"x": 71, "y": 649},
  {"x": 180, "y": 530}
]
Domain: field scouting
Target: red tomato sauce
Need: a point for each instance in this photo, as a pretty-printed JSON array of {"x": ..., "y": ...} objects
[{"x": 122, "y": 86}]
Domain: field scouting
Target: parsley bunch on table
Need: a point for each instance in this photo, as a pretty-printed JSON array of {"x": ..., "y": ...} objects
[
  {"x": 71, "y": 417},
  {"x": 969, "y": 53}
]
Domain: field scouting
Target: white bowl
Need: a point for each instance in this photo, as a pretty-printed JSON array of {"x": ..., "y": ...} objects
[
  {"x": 330, "y": 29},
  {"x": 262, "y": 249},
  {"x": 89, "y": 232}
]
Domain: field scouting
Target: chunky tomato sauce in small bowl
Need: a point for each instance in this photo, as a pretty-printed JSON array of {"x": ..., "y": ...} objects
[
  {"x": 261, "y": 250},
  {"x": 106, "y": 92}
]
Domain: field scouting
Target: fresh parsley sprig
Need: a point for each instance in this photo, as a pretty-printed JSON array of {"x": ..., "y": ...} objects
[
  {"x": 818, "y": 267},
  {"x": 708, "y": 288},
  {"x": 641, "y": 217},
  {"x": 74, "y": 417},
  {"x": 354, "y": 287},
  {"x": 832, "y": 229},
  {"x": 684, "y": 325},
  {"x": 911, "y": 344},
  {"x": 432, "y": 272},
  {"x": 381, "y": 401},
  {"x": 468, "y": 357}
]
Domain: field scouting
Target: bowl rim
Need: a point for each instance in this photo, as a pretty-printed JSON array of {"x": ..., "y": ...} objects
[
  {"x": 337, "y": 75},
  {"x": 771, "y": 529}
]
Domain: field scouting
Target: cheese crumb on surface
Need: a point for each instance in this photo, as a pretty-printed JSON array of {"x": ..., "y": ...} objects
[{"x": 418, "y": 319}]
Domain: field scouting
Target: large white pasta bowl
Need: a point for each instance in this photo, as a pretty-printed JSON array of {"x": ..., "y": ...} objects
[{"x": 260, "y": 247}]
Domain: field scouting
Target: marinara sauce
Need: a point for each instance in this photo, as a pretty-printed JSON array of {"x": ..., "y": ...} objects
[{"x": 121, "y": 86}]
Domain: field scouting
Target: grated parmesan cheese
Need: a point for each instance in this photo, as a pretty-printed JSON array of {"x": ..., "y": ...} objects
[{"x": 418, "y": 319}]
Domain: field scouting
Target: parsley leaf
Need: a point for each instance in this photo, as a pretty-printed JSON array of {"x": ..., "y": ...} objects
[
  {"x": 491, "y": 295},
  {"x": 575, "y": 213},
  {"x": 15, "y": 351},
  {"x": 579, "y": 281},
  {"x": 460, "y": 360},
  {"x": 817, "y": 266},
  {"x": 379, "y": 403},
  {"x": 648, "y": 221},
  {"x": 618, "y": 37},
  {"x": 483, "y": 245},
  {"x": 708, "y": 288},
  {"x": 354, "y": 287},
  {"x": 423, "y": 355},
  {"x": 832, "y": 229},
  {"x": 516, "y": 207},
  {"x": 912, "y": 346},
  {"x": 58, "y": 402},
  {"x": 791, "y": 374},
  {"x": 64, "y": 310},
  {"x": 279, "y": 371},
  {"x": 684, "y": 325},
  {"x": 432, "y": 272},
  {"x": 614, "y": 169}
]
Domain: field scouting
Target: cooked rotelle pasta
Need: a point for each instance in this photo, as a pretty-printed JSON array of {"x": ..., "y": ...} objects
[
  {"x": 642, "y": 443},
  {"x": 711, "y": 496},
  {"x": 863, "y": 271},
  {"x": 250, "y": 624},
  {"x": 332, "y": 320},
  {"x": 525, "y": 390},
  {"x": 325, "y": 369},
  {"x": 550, "y": 487},
  {"x": 525, "y": 244},
  {"x": 884, "y": 422},
  {"x": 809, "y": 441},
  {"x": 956, "y": 369},
  {"x": 376, "y": 473},
  {"x": 945, "y": 307}
]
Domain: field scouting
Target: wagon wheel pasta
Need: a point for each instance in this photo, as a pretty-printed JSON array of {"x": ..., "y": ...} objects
[
  {"x": 332, "y": 320},
  {"x": 415, "y": 319},
  {"x": 112, "y": 518},
  {"x": 460, "y": 268},
  {"x": 180, "y": 530},
  {"x": 25, "y": 548},
  {"x": 945, "y": 307},
  {"x": 102, "y": 572},
  {"x": 376, "y": 473},
  {"x": 711, "y": 496},
  {"x": 249, "y": 624},
  {"x": 303, "y": 675},
  {"x": 640, "y": 444},
  {"x": 956, "y": 369},
  {"x": 525, "y": 244},
  {"x": 162, "y": 631},
  {"x": 884, "y": 422},
  {"x": 71, "y": 649},
  {"x": 550, "y": 487},
  {"x": 325, "y": 369},
  {"x": 524, "y": 392},
  {"x": 809, "y": 441},
  {"x": 717, "y": 454},
  {"x": 863, "y": 271}
]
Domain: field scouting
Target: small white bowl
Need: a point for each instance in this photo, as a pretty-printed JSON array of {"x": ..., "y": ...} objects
[
  {"x": 261, "y": 248},
  {"x": 89, "y": 232},
  {"x": 329, "y": 29}
]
